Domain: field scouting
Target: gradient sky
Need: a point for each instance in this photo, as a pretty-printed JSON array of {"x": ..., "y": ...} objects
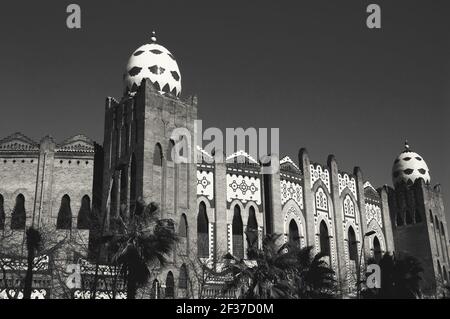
[{"x": 311, "y": 68}]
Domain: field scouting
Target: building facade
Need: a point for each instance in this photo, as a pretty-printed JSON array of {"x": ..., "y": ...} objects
[{"x": 215, "y": 204}]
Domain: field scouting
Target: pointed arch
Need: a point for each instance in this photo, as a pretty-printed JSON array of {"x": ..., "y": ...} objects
[
  {"x": 252, "y": 228},
  {"x": 64, "y": 219},
  {"x": 123, "y": 191},
  {"x": 83, "y": 220},
  {"x": 294, "y": 236},
  {"x": 324, "y": 239},
  {"x": 439, "y": 269},
  {"x": 408, "y": 217},
  {"x": 238, "y": 230},
  {"x": 202, "y": 231},
  {"x": 19, "y": 216},
  {"x": 2, "y": 212},
  {"x": 184, "y": 277},
  {"x": 417, "y": 216},
  {"x": 170, "y": 285},
  {"x": 377, "y": 253},
  {"x": 133, "y": 195},
  {"x": 113, "y": 198},
  {"x": 170, "y": 148},
  {"x": 352, "y": 244},
  {"x": 183, "y": 235},
  {"x": 157, "y": 155},
  {"x": 399, "y": 219},
  {"x": 155, "y": 292}
]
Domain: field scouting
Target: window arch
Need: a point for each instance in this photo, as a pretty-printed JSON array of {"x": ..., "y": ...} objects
[
  {"x": 238, "y": 238},
  {"x": 321, "y": 199},
  {"x": 155, "y": 292},
  {"x": 376, "y": 249},
  {"x": 170, "y": 285},
  {"x": 157, "y": 155},
  {"x": 123, "y": 191},
  {"x": 294, "y": 236},
  {"x": 132, "y": 184},
  {"x": 83, "y": 220},
  {"x": 408, "y": 217},
  {"x": 18, "y": 217},
  {"x": 64, "y": 220},
  {"x": 439, "y": 269},
  {"x": 436, "y": 223},
  {"x": 113, "y": 198},
  {"x": 2, "y": 213},
  {"x": 417, "y": 216},
  {"x": 352, "y": 244},
  {"x": 399, "y": 219},
  {"x": 349, "y": 206},
  {"x": 202, "y": 232},
  {"x": 252, "y": 229},
  {"x": 184, "y": 277},
  {"x": 183, "y": 234},
  {"x": 324, "y": 239},
  {"x": 431, "y": 218},
  {"x": 169, "y": 150}
]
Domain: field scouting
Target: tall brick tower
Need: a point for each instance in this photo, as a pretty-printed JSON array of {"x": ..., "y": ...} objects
[
  {"x": 138, "y": 151},
  {"x": 418, "y": 219}
]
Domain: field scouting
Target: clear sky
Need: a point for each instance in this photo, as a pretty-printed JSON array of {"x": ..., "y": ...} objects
[{"x": 311, "y": 68}]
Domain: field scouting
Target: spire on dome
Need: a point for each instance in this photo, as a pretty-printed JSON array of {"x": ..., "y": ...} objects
[
  {"x": 407, "y": 148},
  {"x": 153, "y": 37}
]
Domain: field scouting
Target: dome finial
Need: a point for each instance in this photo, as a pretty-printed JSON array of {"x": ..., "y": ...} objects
[
  {"x": 406, "y": 145},
  {"x": 153, "y": 37}
]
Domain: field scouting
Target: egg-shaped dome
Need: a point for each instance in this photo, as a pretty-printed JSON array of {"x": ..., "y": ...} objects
[
  {"x": 155, "y": 62},
  {"x": 408, "y": 167}
]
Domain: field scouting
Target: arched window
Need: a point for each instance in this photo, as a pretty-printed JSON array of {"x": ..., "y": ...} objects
[
  {"x": 123, "y": 191},
  {"x": 155, "y": 292},
  {"x": 170, "y": 285},
  {"x": 324, "y": 239},
  {"x": 408, "y": 217},
  {"x": 83, "y": 221},
  {"x": 442, "y": 229},
  {"x": 439, "y": 269},
  {"x": 431, "y": 218},
  {"x": 2, "y": 213},
  {"x": 352, "y": 244},
  {"x": 157, "y": 155},
  {"x": 399, "y": 219},
  {"x": 444, "y": 270},
  {"x": 18, "y": 216},
  {"x": 436, "y": 223},
  {"x": 183, "y": 279},
  {"x": 132, "y": 184},
  {"x": 202, "y": 232},
  {"x": 377, "y": 254},
  {"x": 169, "y": 154},
  {"x": 183, "y": 234},
  {"x": 417, "y": 216},
  {"x": 113, "y": 198},
  {"x": 64, "y": 220},
  {"x": 252, "y": 229},
  {"x": 321, "y": 199},
  {"x": 349, "y": 206},
  {"x": 238, "y": 238},
  {"x": 294, "y": 237}
]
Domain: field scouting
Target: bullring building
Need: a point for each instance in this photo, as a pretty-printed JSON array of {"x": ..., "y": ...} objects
[{"x": 54, "y": 187}]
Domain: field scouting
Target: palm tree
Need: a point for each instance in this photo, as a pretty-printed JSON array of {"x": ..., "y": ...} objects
[
  {"x": 33, "y": 242},
  {"x": 143, "y": 240},
  {"x": 400, "y": 278},
  {"x": 312, "y": 276},
  {"x": 265, "y": 275}
]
